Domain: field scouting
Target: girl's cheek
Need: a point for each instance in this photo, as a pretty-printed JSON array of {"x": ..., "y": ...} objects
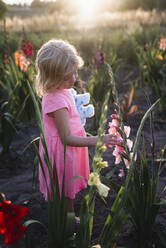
[{"x": 75, "y": 76}]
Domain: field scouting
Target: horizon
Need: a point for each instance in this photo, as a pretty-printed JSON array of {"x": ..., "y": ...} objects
[{"x": 22, "y": 2}]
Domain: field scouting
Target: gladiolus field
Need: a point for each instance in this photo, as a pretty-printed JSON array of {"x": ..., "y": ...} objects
[{"x": 124, "y": 204}]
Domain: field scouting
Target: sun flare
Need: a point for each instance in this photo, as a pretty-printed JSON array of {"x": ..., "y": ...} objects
[{"x": 87, "y": 8}]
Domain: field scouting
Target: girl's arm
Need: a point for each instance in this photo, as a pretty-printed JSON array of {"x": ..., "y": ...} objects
[{"x": 61, "y": 118}]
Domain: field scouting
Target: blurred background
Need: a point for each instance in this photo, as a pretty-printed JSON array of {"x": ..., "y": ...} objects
[{"x": 130, "y": 35}]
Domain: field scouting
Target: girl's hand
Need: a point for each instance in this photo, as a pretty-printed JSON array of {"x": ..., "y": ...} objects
[{"x": 111, "y": 139}]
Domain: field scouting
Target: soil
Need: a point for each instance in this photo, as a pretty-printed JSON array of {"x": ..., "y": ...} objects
[{"x": 16, "y": 179}]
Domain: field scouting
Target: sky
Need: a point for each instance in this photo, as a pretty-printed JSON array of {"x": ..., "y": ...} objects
[
  {"x": 86, "y": 8},
  {"x": 28, "y": 2}
]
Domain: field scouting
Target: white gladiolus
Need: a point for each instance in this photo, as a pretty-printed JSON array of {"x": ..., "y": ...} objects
[
  {"x": 94, "y": 179},
  {"x": 103, "y": 189}
]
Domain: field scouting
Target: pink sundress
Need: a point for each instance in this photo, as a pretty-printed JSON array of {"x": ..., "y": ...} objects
[{"x": 77, "y": 161}]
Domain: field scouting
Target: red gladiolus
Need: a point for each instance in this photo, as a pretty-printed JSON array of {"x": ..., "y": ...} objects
[
  {"x": 27, "y": 48},
  {"x": 6, "y": 61},
  {"x": 13, "y": 237},
  {"x": 10, "y": 217}
]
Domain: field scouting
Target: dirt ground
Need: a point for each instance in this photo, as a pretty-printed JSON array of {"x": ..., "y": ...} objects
[{"x": 16, "y": 179}]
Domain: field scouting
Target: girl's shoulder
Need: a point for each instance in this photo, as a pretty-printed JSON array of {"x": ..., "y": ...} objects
[
  {"x": 53, "y": 101},
  {"x": 56, "y": 96},
  {"x": 56, "y": 93}
]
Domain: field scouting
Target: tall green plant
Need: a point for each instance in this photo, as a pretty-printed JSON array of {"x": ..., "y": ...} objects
[
  {"x": 60, "y": 223},
  {"x": 16, "y": 102},
  {"x": 142, "y": 195},
  {"x": 7, "y": 126},
  {"x": 99, "y": 83},
  {"x": 116, "y": 217},
  {"x": 17, "y": 92},
  {"x": 122, "y": 198},
  {"x": 151, "y": 62}
]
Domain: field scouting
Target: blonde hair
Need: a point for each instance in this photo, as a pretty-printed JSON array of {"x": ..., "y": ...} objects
[{"x": 55, "y": 60}]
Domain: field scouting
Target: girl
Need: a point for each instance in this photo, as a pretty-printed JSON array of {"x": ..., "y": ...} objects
[{"x": 57, "y": 63}]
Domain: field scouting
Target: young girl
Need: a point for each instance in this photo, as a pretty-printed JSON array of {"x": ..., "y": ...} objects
[{"x": 57, "y": 63}]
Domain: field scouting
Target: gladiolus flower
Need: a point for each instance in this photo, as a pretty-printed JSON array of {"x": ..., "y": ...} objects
[
  {"x": 119, "y": 150},
  {"x": 127, "y": 131},
  {"x": 159, "y": 57},
  {"x": 121, "y": 173},
  {"x": 103, "y": 148},
  {"x": 103, "y": 189},
  {"x": 129, "y": 144},
  {"x": 94, "y": 179},
  {"x": 99, "y": 60},
  {"x": 27, "y": 48},
  {"x": 15, "y": 235},
  {"x": 21, "y": 61},
  {"x": 6, "y": 61},
  {"x": 99, "y": 163},
  {"x": 100, "y": 57},
  {"x": 96, "y": 246},
  {"x": 10, "y": 217},
  {"x": 163, "y": 44}
]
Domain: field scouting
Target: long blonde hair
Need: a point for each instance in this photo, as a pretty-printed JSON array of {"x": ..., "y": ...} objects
[{"x": 55, "y": 60}]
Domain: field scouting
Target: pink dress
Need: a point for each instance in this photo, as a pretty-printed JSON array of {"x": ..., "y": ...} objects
[{"x": 77, "y": 161}]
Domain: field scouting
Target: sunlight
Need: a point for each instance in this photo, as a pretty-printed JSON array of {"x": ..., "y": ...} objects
[{"x": 87, "y": 8}]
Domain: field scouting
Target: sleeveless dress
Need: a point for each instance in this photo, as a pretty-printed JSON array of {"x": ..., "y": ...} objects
[{"x": 77, "y": 161}]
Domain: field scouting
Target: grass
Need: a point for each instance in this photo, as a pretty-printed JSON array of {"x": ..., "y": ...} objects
[
  {"x": 131, "y": 20},
  {"x": 112, "y": 32}
]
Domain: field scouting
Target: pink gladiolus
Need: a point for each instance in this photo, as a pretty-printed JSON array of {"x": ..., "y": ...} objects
[
  {"x": 121, "y": 173},
  {"x": 129, "y": 144},
  {"x": 117, "y": 155},
  {"x": 163, "y": 44},
  {"x": 127, "y": 163},
  {"x": 113, "y": 116},
  {"x": 112, "y": 130},
  {"x": 127, "y": 131},
  {"x": 118, "y": 150},
  {"x": 131, "y": 155}
]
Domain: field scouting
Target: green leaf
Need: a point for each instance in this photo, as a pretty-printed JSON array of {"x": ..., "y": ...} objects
[
  {"x": 30, "y": 222},
  {"x": 138, "y": 135},
  {"x": 70, "y": 225},
  {"x": 161, "y": 203},
  {"x": 111, "y": 183},
  {"x": 115, "y": 220}
]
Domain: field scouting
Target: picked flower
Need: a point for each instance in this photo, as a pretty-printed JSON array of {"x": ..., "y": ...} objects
[{"x": 103, "y": 189}]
